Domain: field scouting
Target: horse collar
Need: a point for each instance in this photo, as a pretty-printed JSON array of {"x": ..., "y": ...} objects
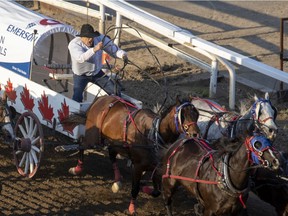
[
  {"x": 154, "y": 134},
  {"x": 227, "y": 181}
]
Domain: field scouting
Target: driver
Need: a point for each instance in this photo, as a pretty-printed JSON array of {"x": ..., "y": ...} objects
[{"x": 86, "y": 53}]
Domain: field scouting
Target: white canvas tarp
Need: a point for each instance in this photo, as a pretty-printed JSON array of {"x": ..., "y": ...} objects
[{"x": 22, "y": 29}]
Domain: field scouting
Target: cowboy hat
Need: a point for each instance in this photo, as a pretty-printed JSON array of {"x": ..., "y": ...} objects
[{"x": 88, "y": 31}]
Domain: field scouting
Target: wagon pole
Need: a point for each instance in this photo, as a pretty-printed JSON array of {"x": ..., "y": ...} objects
[{"x": 32, "y": 54}]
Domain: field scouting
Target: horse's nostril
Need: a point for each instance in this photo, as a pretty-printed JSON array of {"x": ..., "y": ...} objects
[{"x": 196, "y": 135}]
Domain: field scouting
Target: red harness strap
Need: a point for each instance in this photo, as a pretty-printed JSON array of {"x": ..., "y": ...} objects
[
  {"x": 204, "y": 146},
  {"x": 105, "y": 112}
]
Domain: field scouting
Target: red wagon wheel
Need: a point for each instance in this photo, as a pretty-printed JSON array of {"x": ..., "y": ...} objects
[{"x": 29, "y": 144}]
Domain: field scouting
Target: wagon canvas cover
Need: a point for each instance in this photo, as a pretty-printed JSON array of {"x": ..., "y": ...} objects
[{"x": 22, "y": 29}]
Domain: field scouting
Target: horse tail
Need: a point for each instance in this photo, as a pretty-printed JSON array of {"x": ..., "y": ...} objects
[
  {"x": 75, "y": 118},
  {"x": 4, "y": 96}
]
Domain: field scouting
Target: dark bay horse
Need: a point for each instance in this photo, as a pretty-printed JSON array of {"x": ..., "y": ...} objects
[
  {"x": 215, "y": 121},
  {"x": 272, "y": 188},
  {"x": 218, "y": 180},
  {"x": 136, "y": 134}
]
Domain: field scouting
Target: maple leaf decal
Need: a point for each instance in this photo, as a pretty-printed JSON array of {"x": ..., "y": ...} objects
[
  {"x": 45, "y": 108},
  {"x": 64, "y": 114},
  {"x": 11, "y": 93},
  {"x": 26, "y": 99}
]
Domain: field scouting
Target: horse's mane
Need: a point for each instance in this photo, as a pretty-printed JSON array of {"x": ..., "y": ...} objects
[
  {"x": 245, "y": 105},
  {"x": 225, "y": 145},
  {"x": 165, "y": 111}
]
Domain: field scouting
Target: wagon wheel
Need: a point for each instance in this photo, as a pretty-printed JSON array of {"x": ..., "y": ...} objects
[{"x": 29, "y": 144}]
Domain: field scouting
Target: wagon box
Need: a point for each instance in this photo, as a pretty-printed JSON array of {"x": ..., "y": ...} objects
[
  {"x": 35, "y": 75},
  {"x": 29, "y": 41}
]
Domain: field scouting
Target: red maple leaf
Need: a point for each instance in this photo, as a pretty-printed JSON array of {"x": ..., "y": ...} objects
[
  {"x": 26, "y": 99},
  {"x": 11, "y": 93},
  {"x": 45, "y": 108},
  {"x": 63, "y": 114}
]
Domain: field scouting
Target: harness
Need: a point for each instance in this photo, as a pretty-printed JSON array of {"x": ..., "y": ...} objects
[
  {"x": 223, "y": 180},
  {"x": 230, "y": 130},
  {"x": 128, "y": 120},
  {"x": 256, "y": 116}
]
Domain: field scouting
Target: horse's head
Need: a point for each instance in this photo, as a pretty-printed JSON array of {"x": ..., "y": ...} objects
[
  {"x": 6, "y": 120},
  {"x": 264, "y": 115},
  {"x": 186, "y": 116},
  {"x": 261, "y": 152}
]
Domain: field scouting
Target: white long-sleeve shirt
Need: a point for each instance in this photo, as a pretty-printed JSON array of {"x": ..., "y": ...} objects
[{"x": 85, "y": 60}]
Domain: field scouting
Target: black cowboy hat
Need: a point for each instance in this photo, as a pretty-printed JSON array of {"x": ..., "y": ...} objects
[{"x": 88, "y": 31}]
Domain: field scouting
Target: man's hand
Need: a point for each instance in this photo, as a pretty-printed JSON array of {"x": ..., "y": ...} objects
[
  {"x": 98, "y": 47},
  {"x": 125, "y": 59}
]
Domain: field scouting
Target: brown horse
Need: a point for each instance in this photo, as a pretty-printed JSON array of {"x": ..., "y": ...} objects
[
  {"x": 219, "y": 181},
  {"x": 136, "y": 134}
]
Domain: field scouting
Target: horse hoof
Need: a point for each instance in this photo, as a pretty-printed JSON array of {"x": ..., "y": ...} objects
[
  {"x": 155, "y": 193},
  {"x": 75, "y": 170},
  {"x": 147, "y": 189},
  {"x": 116, "y": 186}
]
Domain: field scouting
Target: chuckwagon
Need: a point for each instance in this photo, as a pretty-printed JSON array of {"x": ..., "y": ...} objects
[{"x": 36, "y": 79}]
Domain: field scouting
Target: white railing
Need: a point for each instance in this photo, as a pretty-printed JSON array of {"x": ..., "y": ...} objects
[{"x": 212, "y": 51}]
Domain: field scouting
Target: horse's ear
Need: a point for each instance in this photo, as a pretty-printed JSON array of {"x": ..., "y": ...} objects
[
  {"x": 267, "y": 96},
  {"x": 255, "y": 97}
]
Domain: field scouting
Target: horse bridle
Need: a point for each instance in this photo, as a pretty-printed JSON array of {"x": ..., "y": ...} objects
[
  {"x": 256, "y": 153},
  {"x": 178, "y": 121},
  {"x": 256, "y": 116}
]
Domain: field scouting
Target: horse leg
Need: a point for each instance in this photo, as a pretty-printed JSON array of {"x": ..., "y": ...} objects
[
  {"x": 117, "y": 185},
  {"x": 198, "y": 209},
  {"x": 77, "y": 170},
  {"x": 156, "y": 180},
  {"x": 136, "y": 177},
  {"x": 168, "y": 191},
  {"x": 91, "y": 136}
]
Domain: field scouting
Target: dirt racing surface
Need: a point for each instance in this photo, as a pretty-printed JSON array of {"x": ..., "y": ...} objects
[{"x": 250, "y": 28}]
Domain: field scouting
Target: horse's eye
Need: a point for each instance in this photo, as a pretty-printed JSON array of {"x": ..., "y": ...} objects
[{"x": 258, "y": 145}]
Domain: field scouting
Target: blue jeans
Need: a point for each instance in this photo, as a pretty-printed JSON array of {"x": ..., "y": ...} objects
[{"x": 102, "y": 80}]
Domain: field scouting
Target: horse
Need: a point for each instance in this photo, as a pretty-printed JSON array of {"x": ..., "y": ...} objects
[
  {"x": 215, "y": 121},
  {"x": 136, "y": 134},
  {"x": 6, "y": 123},
  {"x": 271, "y": 188},
  {"x": 218, "y": 180}
]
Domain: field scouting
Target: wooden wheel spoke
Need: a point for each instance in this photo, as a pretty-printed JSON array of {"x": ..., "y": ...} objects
[
  {"x": 34, "y": 141},
  {"x": 34, "y": 156},
  {"x": 31, "y": 123},
  {"x": 22, "y": 159},
  {"x": 26, "y": 164},
  {"x": 31, "y": 162},
  {"x": 24, "y": 134},
  {"x": 35, "y": 148},
  {"x": 34, "y": 131}
]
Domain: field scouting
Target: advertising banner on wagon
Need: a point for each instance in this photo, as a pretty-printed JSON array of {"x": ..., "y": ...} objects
[{"x": 21, "y": 32}]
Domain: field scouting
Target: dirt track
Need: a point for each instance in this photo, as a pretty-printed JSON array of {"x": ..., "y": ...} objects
[{"x": 250, "y": 27}]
